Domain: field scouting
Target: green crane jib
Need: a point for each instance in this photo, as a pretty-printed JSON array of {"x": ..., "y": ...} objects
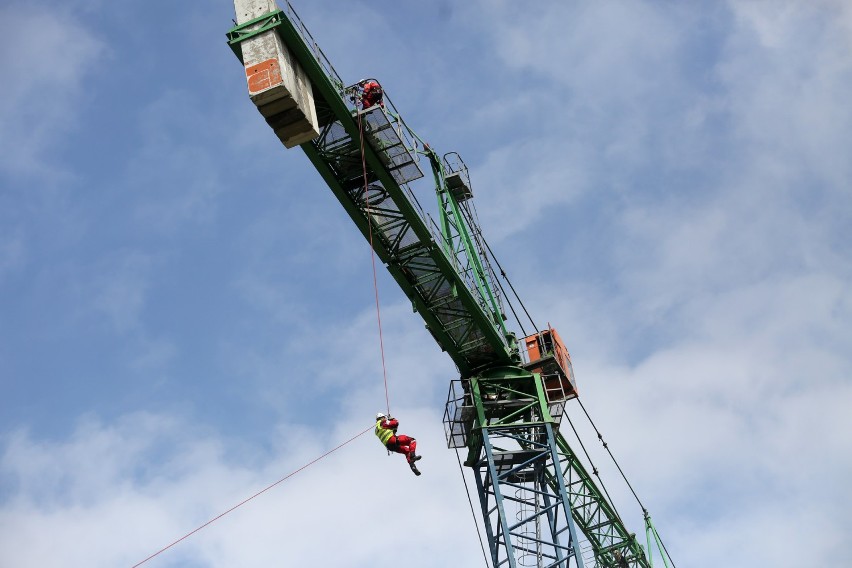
[
  {"x": 507, "y": 404},
  {"x": 401, "y": 237}
]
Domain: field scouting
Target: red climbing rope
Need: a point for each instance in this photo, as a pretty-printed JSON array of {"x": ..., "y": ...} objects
[
  {"x": 244, "y": 501},
  {"x": 373, "y": 259}
]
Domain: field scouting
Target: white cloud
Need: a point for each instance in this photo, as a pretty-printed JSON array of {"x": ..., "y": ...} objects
[
  {"x": 711, "y": 337},
  {"x": 113, "y": 495},
  {"x": 553, "y": 176},
  {"x": 788, "y": 72},
  {"x": 49, "y": 54},
  {"x": 715, "y": 352}
]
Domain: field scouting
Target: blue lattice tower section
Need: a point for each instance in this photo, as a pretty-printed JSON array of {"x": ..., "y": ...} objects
[{"x": 503, "y": 418}]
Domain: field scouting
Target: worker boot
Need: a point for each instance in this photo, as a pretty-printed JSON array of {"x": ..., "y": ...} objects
[
  {"x": 414, "y": 468},
  {"x": 414, "y": 458}
]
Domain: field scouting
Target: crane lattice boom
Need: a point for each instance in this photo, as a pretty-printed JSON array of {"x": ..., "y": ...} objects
[{"x": 506, "y": 406}]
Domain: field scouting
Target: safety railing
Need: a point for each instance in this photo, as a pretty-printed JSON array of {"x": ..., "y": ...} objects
[{"x": 312, "y": 46}]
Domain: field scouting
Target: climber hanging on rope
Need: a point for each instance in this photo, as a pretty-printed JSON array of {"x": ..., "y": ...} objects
[{"x": 400, "y": 443}]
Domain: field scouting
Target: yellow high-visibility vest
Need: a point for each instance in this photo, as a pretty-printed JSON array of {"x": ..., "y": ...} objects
[{"x": 384, "y": 434}]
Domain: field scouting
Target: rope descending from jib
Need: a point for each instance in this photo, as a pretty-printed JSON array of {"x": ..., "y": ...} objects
[{"x": 373, "y": 256}]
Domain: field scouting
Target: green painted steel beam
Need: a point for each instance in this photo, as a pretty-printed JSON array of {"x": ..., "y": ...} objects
[
  {"x": 517, "y": 466},
  {"x": 449, "y": 208},
  {"x": 427, "y": 274},
  {"x": 360, "y": 221},
  {"x": 612, "y": 544},
  {"x": 247, "y": 30},
  {"x": 328, "y": 91}
]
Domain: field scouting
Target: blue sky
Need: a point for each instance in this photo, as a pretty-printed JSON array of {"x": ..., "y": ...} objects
[{"x": 186, "y": 312}]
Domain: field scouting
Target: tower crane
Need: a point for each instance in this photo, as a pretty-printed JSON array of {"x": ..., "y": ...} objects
[{"x": 538, "y": 502}]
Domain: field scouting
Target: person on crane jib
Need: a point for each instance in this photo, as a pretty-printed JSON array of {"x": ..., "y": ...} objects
[
  {"x": 371, "y": 94},
  {"x": 400, "y": 443}
]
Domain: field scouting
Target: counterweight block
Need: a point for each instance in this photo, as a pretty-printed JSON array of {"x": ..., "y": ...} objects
[{"x": 277, "y": 84}]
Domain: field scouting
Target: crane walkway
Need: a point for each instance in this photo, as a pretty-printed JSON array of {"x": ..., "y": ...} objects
[
  {"x": 387, "y": 140},
  {"x": 374, "y": 184},
  {"x": 368, "y": 158}
]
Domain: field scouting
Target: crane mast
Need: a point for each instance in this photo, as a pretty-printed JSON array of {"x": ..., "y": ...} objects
[{"x": 540, "y": 507}]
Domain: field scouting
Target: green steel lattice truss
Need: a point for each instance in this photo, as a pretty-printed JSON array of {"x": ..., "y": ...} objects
[{"x": 460, "y": 315}]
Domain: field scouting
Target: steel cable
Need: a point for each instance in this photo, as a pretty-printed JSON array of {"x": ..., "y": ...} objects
[
  {"x": 472, "y": 512},
  {"x": 373, "y": 259},
  {"x": 244, "y": 501},
  {"x": 606, "y": 447}
]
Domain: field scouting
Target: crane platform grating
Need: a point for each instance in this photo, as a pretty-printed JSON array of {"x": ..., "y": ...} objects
[{"x": 389, "y": 144}]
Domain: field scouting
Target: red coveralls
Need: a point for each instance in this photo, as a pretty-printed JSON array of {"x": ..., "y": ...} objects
[
  {"x": 372, "y": 95},
  {"x": 399, "y": 443}
]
